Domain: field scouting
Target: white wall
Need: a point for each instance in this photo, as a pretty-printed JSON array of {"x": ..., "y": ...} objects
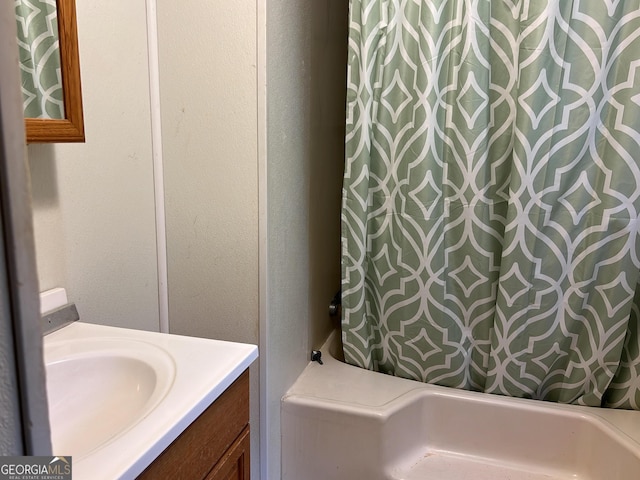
[
  {"x": 305, "y": 87},
  {"x": 93, "y": 202},
  {"x": 208, "y": 102},
  {"x": 208, "y": 57}
]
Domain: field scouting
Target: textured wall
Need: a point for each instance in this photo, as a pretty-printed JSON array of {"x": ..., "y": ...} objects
[
  {"x": 305, "y": 61},
  {"x": 93, "y": 202},
  {"x": 208, "y": 102},
  {"x": 288, "y": 187},
  {"x": 209, "y": 132}
]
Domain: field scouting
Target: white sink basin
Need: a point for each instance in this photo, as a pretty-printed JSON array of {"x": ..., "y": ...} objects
[
  {"x": 119, "y": 397},
  {"x": 98, "y": 389}
]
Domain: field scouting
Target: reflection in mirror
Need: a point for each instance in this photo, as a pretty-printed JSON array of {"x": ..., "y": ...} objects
[
  {"x": 39, "y": 53},
  {"x": 48, "y": 43}
]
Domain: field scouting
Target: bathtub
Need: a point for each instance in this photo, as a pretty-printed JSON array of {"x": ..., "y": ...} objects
[{"x": 341, "y": 422}]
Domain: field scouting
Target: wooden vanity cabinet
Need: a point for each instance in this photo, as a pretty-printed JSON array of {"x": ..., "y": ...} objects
[{"x": 215, "y": 446}]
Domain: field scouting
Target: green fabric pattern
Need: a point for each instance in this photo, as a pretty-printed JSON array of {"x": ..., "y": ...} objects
[
  {"x": 491, "y": 196},
  {"x": 39, "y": 54}
]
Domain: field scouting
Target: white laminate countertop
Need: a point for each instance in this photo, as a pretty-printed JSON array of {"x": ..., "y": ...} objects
[{"x": 202, "y": 371}]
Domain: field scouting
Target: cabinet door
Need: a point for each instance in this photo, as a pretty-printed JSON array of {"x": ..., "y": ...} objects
[
  {"x": 234, "y": 465},
  {"x": 198, "y": 451}
]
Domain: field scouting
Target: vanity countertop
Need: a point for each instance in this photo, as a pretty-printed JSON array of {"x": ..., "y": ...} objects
[{"x": 186, "y": 375}]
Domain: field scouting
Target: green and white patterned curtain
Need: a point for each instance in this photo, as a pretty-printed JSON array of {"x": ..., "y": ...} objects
[
  {"x": 491, "y": 196},
  {"x": 39, "y": 53}
]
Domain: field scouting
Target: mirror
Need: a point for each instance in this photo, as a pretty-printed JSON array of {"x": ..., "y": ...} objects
[{"x": 65, "y": 100}]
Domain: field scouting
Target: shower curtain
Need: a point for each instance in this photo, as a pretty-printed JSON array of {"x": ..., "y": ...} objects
[
  {"x": 491, "y": 196},
  {"x": 39, "y": 54}
]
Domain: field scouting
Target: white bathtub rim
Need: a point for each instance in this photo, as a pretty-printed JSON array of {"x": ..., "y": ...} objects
[
  {"x": 381, "y": 413},
  {"x": 314, "y": 388}
]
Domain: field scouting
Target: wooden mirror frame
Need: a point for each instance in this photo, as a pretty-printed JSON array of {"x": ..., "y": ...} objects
[{"x": 71, "y": 128}]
